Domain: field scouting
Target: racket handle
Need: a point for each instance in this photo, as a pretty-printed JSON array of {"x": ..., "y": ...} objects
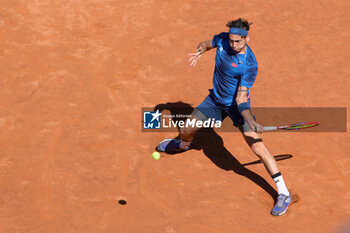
[{"x": 270, "y": 128}]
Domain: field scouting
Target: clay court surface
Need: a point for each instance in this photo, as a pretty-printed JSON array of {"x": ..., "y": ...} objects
[{"x": 76, "y": 74}]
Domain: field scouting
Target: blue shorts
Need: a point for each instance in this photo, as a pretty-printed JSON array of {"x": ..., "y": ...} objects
[{"x": 211, "y": 109}]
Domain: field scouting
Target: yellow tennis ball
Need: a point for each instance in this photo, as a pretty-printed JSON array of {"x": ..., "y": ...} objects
[{"x": 156, "y": 155}]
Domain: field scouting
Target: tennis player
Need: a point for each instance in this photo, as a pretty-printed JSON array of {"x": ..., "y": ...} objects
[{"x": 235, "y": 72}]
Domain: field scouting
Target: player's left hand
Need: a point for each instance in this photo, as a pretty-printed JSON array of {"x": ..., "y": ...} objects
[{"x": 195, "y": 56}]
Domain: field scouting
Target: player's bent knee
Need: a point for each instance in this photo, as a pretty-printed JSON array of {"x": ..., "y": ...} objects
[
  {"x": 253, "y": 139},
  {"x": 259, "y": 149}
]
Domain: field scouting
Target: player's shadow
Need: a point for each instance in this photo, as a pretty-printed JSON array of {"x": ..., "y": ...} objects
[{"x": 213, "y": 147}]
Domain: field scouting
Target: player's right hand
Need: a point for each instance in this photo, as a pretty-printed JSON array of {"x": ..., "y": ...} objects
[
  {"x": 195, "y": 56},
  {"x": 258, "y": 128}
]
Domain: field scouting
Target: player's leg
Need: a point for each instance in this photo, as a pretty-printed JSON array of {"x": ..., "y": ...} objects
[
  {"x": 207, "y": 109},
  {"x": 187, "y": 133},
  {"x": 257, "y": 145},
  {"x": 173, "y": 145},
  {"x": 255, "y": 142}
]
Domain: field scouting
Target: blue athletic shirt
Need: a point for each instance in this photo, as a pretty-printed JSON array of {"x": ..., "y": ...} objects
[{"x": 231, "y": 70}]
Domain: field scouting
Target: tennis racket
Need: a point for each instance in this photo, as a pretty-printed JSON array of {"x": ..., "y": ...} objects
[{"x": 304, "y": 125}]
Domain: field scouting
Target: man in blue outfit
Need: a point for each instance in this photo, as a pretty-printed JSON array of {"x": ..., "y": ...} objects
[{"x": 235, "y": 71}]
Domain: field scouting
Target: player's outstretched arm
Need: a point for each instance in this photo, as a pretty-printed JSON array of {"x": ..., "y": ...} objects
[
  {"x": 202, "y": 48},
  {"x": 244, "y": 108}
]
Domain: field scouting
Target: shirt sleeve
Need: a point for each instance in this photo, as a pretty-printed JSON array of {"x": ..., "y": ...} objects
[
  {"x": 216, "y": 41},
  {"x": 249, "y": 76}
]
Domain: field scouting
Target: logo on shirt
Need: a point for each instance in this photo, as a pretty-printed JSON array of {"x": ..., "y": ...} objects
[
  {"x": 234, "y": 65},
  {"x": 151, "y": 120}
]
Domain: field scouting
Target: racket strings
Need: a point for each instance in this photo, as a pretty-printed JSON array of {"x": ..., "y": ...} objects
[{"x": 302, "y": 125}]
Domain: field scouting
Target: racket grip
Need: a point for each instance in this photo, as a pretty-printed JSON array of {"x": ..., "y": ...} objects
[{"x": 270, "y": 128}]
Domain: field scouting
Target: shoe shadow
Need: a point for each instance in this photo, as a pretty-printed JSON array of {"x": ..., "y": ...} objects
[{"x": 213, "y": 147}]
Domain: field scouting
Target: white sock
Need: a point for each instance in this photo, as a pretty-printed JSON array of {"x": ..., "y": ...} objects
[{"x": 281, "y": 186}]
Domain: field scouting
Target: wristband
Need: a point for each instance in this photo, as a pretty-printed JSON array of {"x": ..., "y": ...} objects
[{"x": 243, "y": 106}]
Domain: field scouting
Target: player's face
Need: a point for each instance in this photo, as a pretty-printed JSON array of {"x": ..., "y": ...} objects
[{"x": 237, "y": 42}]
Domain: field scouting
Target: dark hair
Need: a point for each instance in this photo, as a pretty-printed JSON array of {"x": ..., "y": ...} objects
[{"x": 239, "y": 23}]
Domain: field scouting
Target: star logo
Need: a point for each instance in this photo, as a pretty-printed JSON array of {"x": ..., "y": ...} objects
[{"x": 156, "y": 115}]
